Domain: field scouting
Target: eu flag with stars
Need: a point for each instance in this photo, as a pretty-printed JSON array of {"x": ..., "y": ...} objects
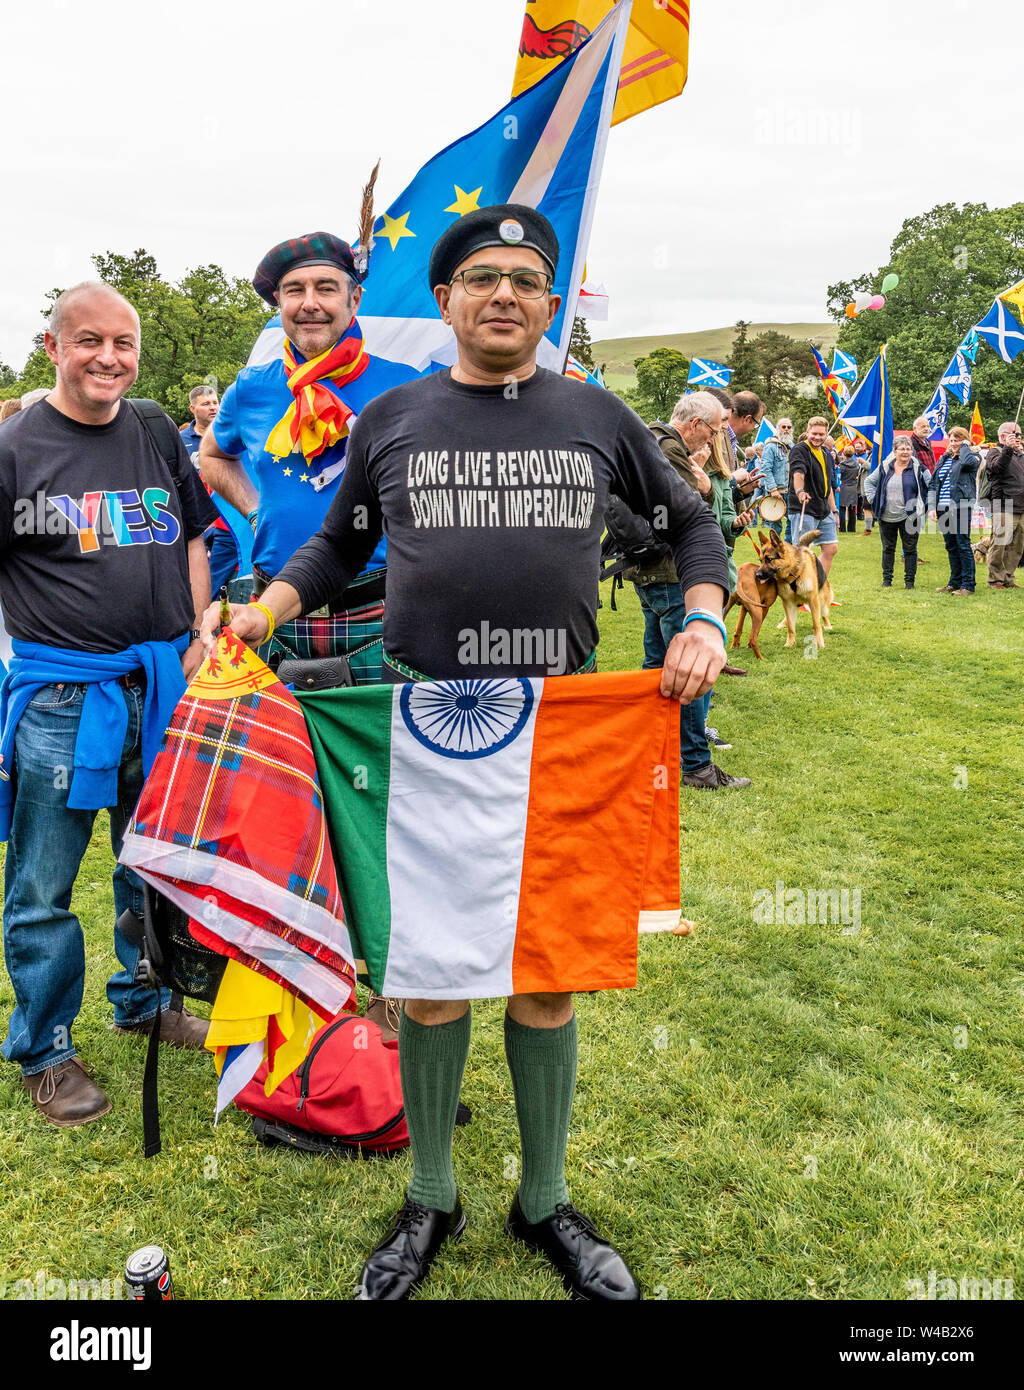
[{"x": 544, "y": 149}]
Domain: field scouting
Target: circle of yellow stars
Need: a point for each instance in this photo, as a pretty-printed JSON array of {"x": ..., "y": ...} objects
[{"x": 395, "y": 228}]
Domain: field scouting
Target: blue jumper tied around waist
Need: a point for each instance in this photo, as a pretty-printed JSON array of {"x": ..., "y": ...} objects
[{"x": 104, "y": 721}]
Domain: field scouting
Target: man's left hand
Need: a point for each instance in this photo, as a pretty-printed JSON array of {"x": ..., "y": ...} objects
[
  {"x": 693, "y": 662},
  {"x": 192, "y": 659}
]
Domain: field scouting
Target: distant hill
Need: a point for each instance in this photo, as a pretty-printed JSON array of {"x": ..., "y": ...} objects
[{"x": 716, "y": 343}]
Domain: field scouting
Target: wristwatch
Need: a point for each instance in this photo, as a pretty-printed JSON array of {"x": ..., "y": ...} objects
[{"x": 194, "y": 634}]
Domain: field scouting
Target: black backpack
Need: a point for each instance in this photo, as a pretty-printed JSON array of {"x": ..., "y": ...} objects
[
  {"x": 629, "y": 542},
  {"x": 171, "y": 958}
]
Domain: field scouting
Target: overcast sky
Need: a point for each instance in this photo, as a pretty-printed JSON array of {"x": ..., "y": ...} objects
[{"x": 208, "y": 131}]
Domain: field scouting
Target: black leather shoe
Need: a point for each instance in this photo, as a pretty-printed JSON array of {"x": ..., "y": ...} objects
[
  {"x": 590, "y": 1267},
  {"x": 402, "y": 1260}
]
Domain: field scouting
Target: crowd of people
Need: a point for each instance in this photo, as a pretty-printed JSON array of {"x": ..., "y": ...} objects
[{"x": 106, "y": 592}]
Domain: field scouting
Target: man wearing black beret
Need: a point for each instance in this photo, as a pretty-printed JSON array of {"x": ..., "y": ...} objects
[{"x": 529, "y": 460}]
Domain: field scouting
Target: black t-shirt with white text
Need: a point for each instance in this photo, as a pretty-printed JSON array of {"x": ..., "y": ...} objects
[
  {"x": 94, "y": 532},
  {"x": 492, "y": 499}
]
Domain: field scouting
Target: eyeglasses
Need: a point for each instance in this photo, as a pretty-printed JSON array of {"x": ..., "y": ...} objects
[{"x": 483, "y": 280}]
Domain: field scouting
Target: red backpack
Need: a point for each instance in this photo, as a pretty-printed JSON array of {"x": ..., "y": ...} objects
[{"x": 345, "y": 1098}]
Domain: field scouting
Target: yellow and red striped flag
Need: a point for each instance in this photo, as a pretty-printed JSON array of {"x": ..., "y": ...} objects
[{"x": 654, "y": 63}]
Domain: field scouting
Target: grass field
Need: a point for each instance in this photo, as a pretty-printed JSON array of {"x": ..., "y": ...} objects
[
  {"x": 619, "y": 354},
  {"x": 779, "y": 1110}
]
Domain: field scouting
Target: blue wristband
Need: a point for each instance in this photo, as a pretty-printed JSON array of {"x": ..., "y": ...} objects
[{"x": 706, "y": 617}]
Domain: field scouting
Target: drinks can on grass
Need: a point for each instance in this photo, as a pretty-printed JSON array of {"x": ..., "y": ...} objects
[{"x": 148, "y": 1274}]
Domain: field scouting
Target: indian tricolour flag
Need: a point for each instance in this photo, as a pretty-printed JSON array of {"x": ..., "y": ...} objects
[{"x": 501, "y": 836}]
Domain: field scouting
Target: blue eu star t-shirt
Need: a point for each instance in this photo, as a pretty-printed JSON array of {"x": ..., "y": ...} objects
[{"x": 294, "y": 494}]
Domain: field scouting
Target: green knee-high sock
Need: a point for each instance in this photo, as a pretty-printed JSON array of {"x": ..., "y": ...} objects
[
  {"x": 543, "y": 1066},
  {"x": 432, "y": 1060}
]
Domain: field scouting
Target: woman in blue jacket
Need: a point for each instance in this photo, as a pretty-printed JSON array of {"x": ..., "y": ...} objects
[
  {"x": 951, "y": 495},
  {"x": 900, "y": 499}
]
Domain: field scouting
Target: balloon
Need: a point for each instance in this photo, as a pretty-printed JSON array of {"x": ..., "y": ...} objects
[
  {"x": 877, "y": 302},
  {"x": 851, "y": 311},
  {"x": 861, "y": 301},
  {"x": 890, "y": 282}
]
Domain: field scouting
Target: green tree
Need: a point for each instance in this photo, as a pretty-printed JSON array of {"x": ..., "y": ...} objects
[
  {"x": 952, "y": 262},
  {"x": 580, "y": 345},
  {"x": 742, "y": 360},
  {"x": 200, "y": 329},
  {"x": 660, "y": 381}
]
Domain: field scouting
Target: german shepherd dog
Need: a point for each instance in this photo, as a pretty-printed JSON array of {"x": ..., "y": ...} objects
[
  {"x": 800, "y": 578},
  {"x": 754, "y": 596}
]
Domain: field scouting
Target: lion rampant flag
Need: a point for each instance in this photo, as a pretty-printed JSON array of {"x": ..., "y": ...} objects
[
  {"x": 654, "y": 64},
  {"x": 977, "y": 427}
]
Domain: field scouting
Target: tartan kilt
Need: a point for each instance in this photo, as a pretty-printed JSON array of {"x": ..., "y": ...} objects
[{"x": 355, "y": 633}]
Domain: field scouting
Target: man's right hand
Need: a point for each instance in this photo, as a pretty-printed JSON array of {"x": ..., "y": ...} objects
[
  {"x": 803, "y": 498},
  {"x": 247, "y": 623}
]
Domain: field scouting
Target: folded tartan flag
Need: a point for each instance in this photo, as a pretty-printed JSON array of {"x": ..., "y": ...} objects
[{"x": 230, "y": 826}]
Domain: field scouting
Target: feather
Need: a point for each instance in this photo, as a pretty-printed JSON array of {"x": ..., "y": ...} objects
[{"x": 366, "y": 223}]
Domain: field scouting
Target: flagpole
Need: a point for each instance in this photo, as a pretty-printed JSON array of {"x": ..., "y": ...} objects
[{"x": 1016, "y": 418}]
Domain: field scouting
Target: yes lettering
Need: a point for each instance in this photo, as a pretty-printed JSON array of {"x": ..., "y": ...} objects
[{"x": 103, "y": 518}]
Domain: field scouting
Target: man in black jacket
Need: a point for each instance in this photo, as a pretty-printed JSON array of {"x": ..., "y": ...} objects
[{"x": 1005, "y": 465}]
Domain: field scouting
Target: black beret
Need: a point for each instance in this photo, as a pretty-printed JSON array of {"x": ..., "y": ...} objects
[
  {"x": 505, "y": 224},
  {"x": 317, "y": 248}
]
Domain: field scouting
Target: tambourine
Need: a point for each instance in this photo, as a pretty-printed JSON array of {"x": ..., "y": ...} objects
[{"x": 771, "y": 508}]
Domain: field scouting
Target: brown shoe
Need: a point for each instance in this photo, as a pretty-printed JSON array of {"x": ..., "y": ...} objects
[
  {"x": 713, "y": 779},
  {"x": 385, "y": 1013},
  {"x": 178, "y": 1027},
  {"x": 962, "y": 593},
  {"x": 946, "y": 589},
  {"x": 66, "y": 1094}
]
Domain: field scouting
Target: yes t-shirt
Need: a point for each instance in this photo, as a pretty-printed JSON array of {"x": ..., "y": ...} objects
[{"x": 94, "y": 532}]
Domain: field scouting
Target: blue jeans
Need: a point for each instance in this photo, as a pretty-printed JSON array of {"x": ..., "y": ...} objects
[
  {"x": 44, "y": 947},
  {"x": 223, "y": 558},
  {"x": 826, "y": 525},
  {"x": 664, "y": 610},
  {"x": 955, "y": 526}
]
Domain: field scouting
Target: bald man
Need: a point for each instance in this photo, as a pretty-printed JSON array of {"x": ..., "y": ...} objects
[{"x": 103, "y": 578}]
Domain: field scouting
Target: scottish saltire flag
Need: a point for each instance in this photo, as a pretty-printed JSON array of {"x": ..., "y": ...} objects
[
  {"x": 935, "y": 413},
  {"x": 957, "y": 378},
  {"x": 1001, "y": 331},
  {"x": 544, "y": 149},
  {"x": 969, "y": 346},
  {"x": 844, "y": 367},
  {"x": 503, "y": 835},
  {"x": 765, "y": 431},
  {"x": 704, "y": 372},
  {"x": 869, "y": 410}
]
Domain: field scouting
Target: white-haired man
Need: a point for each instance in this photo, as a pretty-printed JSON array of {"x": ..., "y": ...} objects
[
  {"x": 104, "y": 580},
  {"x": 686, "y": 443},
  {"x": 1005, "y": 465}
]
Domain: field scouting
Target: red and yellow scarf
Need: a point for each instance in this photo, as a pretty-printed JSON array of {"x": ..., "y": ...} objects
[{"x": 317, "y": 419}]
